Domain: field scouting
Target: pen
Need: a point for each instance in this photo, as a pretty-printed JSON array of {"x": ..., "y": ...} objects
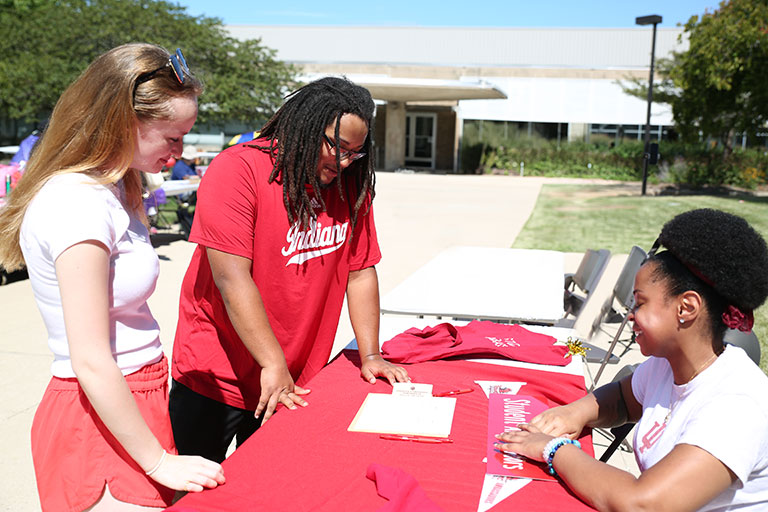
[
  {"x": 416, "y": 439},
  {"x": 454, "y": 392}
]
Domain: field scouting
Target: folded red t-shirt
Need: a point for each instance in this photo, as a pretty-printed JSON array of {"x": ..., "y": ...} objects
[{"x": 478, "y": 339}]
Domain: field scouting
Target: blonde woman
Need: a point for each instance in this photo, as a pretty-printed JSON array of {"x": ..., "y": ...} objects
[{"x": 101, "y": 437}]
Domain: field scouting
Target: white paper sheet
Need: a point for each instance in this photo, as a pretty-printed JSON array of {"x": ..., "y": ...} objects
[
  {"x": 411, "y": 389},
  {"x": 406, "y": 415}
]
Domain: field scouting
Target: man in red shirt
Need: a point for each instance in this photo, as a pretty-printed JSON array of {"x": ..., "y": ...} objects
[{"x": 284, "y": 228}]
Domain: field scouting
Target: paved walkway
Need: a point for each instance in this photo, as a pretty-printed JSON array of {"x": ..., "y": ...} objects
[{"x": 417, "y": 216}]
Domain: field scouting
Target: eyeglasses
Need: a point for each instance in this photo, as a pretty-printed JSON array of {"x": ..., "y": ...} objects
[
  {"x": 343, "y": 155},
  {"x": 178, "y": 64}
]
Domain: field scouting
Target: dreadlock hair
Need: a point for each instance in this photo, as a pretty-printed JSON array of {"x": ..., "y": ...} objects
[
  {"x": 295, "y": 135},
  {"x": 718, "y": 255}
]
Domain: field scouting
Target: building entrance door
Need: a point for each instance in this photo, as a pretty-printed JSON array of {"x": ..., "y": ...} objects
[{"x": 420, "y": 129}]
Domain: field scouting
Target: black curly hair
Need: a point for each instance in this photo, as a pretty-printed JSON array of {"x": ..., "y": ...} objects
[
  {"x": 718, "y": 255},
  {"x": 295, "y": 135}
]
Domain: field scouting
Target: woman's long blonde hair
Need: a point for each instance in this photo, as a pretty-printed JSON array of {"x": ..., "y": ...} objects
[{"x": 92, "y": 130}]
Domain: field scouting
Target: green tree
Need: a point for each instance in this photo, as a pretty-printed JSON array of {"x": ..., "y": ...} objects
[
  {"x": 47, "y": 43},
  {"x": 717, "y": 88},
  {"x": 722, "y": 77}
]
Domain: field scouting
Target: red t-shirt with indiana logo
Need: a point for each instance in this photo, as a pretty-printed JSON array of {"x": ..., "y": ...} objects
[{"x": 301, "y": 274}]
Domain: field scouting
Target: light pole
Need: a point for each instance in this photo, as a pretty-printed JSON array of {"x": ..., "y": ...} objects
[{"x": 653, "y": 19}]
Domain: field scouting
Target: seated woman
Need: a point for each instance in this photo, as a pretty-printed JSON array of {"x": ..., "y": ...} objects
[{"x": 701, "y": 440}]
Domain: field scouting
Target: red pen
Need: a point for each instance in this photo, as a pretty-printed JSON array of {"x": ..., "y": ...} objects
[
  {"x": 454, "y": 392},
  {"x": 416, "y": 439}
]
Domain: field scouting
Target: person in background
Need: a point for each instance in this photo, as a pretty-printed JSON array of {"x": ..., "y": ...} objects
[
  {"x": 701, "y": 406},
  {"x": 185, "y": 166},
  {"x": 26, "y": 146},
  {"x": 101, "y": 436},
  {"x": 284, "y": 228}
]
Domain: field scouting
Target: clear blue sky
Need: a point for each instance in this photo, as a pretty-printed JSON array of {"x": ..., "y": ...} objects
[{"x": 448, "y": 13}]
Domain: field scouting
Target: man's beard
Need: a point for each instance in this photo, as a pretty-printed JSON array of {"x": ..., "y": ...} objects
[{"x": 329, "y": 184}]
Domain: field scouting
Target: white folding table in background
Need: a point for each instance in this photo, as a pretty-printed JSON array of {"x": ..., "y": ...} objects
[
  {"x": 178, "y": 187},
  {"x": 488, "y": 283}
]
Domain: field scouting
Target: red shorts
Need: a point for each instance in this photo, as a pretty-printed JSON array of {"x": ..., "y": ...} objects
[{"x": 75, "y": 455}]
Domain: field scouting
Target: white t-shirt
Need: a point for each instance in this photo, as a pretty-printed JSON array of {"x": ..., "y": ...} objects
[
  {"x": 724, "y": 410},
  {"x": 72, "y": 208}
]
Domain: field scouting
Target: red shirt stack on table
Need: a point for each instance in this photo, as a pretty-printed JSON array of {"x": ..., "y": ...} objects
[
  {"x": 307, "y": 460},
  {"x": 478, "y": 338}
]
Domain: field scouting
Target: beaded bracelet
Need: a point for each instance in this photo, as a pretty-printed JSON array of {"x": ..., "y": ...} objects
[{"x": 551, "y": 448}]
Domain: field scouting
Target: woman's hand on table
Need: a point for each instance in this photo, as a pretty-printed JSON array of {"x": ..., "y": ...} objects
[
  {"x": 277, "y": 386},
  {"x": 559, "y": 421},
  {"x": 188, "y": 473},
  {"x": 374, "y": 366},
  {"x": 529, "y": 441}
]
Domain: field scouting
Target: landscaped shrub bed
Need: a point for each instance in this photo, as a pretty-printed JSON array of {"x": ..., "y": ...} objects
[{"x": 697, "y": 165}]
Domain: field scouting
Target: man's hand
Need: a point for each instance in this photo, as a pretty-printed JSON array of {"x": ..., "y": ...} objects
[
  {"x": 376, "y": 366},
  {"x": 277, "y": 386}
]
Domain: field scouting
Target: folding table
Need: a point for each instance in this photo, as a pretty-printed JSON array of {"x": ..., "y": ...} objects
[
  {"x": 178, "y": 187},
  {"x": 487, "y": 283},
  {"x": 307, "y": 460}
]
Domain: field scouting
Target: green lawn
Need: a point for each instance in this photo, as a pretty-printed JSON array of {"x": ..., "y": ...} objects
[{"x": 573, "y": 218}]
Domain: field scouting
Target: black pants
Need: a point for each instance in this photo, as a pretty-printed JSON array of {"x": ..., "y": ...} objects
[{"x": 203, "y": 426}]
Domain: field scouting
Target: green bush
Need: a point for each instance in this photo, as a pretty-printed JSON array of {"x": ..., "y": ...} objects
[
  {"x": 696, "y": 165},
  {"x": 704, "y": 164},
  {"x": 470, "y": 156},
  {"x": 545, "y": 158}
]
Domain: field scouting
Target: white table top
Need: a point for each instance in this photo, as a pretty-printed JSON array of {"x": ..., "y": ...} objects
[
  {"x": 178, "y": 187},
  {"x": 11, "y": 150},
  {"x": 485, "y": 283}
]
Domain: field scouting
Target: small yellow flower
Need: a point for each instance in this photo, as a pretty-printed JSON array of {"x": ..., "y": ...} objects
[{"x": 575, "y": 348}]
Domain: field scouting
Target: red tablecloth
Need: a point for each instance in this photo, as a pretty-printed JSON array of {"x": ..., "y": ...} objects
[{"x": 307, "y": 460}]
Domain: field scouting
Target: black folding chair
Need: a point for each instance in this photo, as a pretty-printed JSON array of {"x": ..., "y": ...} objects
[
  {"x": 619, "y": 433},
  {"x": 580, "y": 284}
]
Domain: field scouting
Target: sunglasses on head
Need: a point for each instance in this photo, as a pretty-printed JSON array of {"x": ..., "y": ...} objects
[{"x": 178, "y": 65}]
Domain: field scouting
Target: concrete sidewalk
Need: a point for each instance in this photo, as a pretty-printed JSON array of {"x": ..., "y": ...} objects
[{"x": 417, "y": 216}]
